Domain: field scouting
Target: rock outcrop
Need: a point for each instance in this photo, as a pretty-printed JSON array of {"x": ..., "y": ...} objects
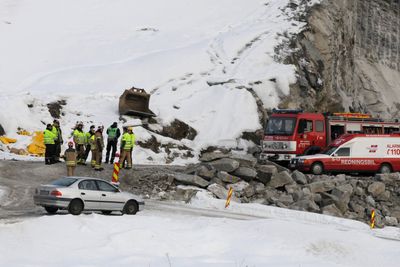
[{"x": 348, "y": 58}]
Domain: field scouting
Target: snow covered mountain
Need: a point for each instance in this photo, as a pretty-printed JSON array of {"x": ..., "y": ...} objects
[{"x": 204, "y": 62}]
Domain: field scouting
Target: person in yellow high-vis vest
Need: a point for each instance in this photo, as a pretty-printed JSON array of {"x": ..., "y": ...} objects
[
  {"x": 127, "y": 144},
  {"x": 70, "y": 156},
  {"x": 49, "y": 141},
  {"x": 59, "y": 140},
  {"x": 80, "y": 141}
]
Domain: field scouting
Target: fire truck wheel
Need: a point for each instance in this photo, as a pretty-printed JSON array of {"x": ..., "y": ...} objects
[
  {"x": 317, "y": 168},
  {"x": 385, "y": 168}
]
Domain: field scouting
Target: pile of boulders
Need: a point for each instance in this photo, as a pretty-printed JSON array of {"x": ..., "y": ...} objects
[{"x": 345, "y": 196}]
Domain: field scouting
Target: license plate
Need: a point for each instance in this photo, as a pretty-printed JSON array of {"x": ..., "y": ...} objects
[{"x": 44, "y": 192}]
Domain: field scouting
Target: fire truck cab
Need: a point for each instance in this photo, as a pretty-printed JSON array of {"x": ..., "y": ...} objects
[
  {"x": 290, "y": 133},
  {"x": 354, "y": 153}
]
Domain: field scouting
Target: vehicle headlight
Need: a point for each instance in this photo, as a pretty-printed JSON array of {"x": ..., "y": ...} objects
[
  {"x": 301, "y": 161},
  {"x": 285, "y": 146}
]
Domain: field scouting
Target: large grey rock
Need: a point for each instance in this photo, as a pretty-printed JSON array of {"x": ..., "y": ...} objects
[
  {"x": 388, "y": 177},
  {"x": 280, "y": 179},
  {"x": 184, "y": 194},
  {"x": 343, "y": 192},
  {"x": 285, "y": 199},
  {"x": 227, "y": 178},
  {"x": 221, "y": 193},
  {"x": 359, "y": 191},
  {"x": 376, "y": 188},
  {"x": 339, "y": 179},
  {"x": 270, "y": 194},
  {"x": 206, "y": 171},
  {"x": 297, "y": 195},
  {"x": 216, "y": 180},
  {"x": 331, "y": 210},
  {"x": 245, "y": 160},
  {"x": 305, "y": 205},
  {"x": 391, "y": 221},
  {"x": 225, "y": 164},
  {"x": 321, "y": 186},
  {"x": 259, "y": 188},
  {"x": 396, "y": 213},
  {"x": 245, "y": 173},
  {"x": 360, "y": 210},
  {"x": 291, "y": 188},
  {"x": 249, "y": 191},
  {"x": 239, "y": 187},
  {"x": 299, "y": 177},
  {"x": 385, "y": 196},
  {"x": 370, "y": 200},
  {"x": 340, "y": 197},
  {"x": 179, "y": 130},
  {"x": 188, "y": 179},
  {"x": 265, "y": 172},
  {"x": 210, "y": 156}
]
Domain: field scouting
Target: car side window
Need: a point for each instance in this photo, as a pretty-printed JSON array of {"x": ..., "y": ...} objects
[
  {"x": 87, "y": 185},
  {"x": 343, "y": 152},
  {"x": 106, "y": 187}
]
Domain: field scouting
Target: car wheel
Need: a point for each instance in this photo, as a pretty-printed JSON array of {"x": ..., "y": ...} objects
[
  {"x": 106, "y": 212},
  {"x": 385, "y": 168},
  {"x": 51, "y": 210},
  {"x": 75, "y": 207},
  {"x": 317, "y": 168},
  {"x": 131, "y": 207}
]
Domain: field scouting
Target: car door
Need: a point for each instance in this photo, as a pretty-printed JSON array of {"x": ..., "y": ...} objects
[
  {"x": 90, "y": 194},
  {"x": 341, "y": 160},
  {"x": 111, "y": 197}
]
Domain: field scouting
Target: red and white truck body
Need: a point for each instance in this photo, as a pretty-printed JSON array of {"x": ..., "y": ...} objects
[
  {"x": 355, "y": 153},
  {"x": 290, "y": 133}
]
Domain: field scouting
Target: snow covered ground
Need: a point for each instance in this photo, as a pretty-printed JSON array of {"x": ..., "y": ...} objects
[
  {"x": 161, "y": 238},
  {"x": 88, "y": 52}
]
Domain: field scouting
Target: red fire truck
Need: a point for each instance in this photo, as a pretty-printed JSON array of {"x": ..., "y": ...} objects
[
  {"x": 355, "y": 153},
  {"x": 290, "y": 133}
]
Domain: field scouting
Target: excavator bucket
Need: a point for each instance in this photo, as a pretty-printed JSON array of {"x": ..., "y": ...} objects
[{"x": 135, "y": 102}]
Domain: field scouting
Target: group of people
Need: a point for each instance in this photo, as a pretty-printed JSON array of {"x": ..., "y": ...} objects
[{"x": 85, "y": 142}]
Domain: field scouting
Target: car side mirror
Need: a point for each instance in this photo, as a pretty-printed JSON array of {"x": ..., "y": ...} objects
[{"x": 334, "y": 155}]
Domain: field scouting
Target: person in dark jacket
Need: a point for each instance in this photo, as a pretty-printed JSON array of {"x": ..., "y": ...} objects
[
  {"x": 99, "y": 148},
  {"x": 49, "y": 142},
  {"x": 88, "y": 136},
  {"x": 59, "y": 140},
  {"x": 113, "y": 133}
]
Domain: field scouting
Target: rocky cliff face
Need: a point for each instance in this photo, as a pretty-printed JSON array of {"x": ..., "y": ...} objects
[{"x": 348, "y": 58}]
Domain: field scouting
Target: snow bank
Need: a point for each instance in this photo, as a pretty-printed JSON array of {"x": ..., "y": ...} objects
[{"x": 157, "y": 238}]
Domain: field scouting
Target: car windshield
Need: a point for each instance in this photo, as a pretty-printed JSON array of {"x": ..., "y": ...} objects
[
  {"x": 280, "y": 126},
  {"x": 64, "y": 181},
  {"x": 329, "y": 150}
]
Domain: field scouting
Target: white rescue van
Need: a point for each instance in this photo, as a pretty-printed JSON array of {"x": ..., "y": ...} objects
[{"x": 354, "y": 153}]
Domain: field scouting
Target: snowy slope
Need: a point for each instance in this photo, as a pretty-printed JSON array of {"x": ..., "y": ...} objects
[
  {"x": 88, "y": 52},
  {"x": 158, "y": 238}
]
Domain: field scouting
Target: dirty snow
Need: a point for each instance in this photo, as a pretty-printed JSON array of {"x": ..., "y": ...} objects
[
  {"x": 161, "y": 238},
  {"x": 88, "y": 52}
]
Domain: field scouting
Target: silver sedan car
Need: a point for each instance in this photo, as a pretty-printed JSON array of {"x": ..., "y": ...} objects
[{"x": 77, "y": 194}]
